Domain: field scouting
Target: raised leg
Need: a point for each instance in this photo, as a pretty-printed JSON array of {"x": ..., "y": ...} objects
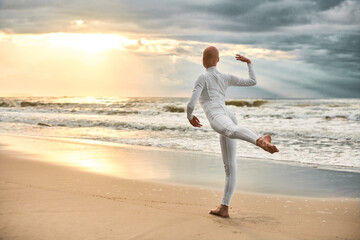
[{"x": 226, "y": 127}]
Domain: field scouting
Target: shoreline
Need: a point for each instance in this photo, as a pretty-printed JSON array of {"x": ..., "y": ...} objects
[
  {"x": 340, "y": 168},
  {"x": 61, "y": 202},
  {"x": 184, "y": 167}
]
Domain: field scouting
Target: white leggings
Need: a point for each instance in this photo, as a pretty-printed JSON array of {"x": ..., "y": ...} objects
[{"x": 225, "y": 124}]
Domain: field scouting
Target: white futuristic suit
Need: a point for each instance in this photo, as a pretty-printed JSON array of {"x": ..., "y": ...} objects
[{"x": 210, "y": 90}]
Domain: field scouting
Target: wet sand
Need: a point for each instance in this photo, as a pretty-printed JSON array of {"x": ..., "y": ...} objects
[{"x": 44, "y": 200}]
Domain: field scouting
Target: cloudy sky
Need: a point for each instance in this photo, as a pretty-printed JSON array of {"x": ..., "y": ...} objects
[{"x": 300, "y": 49}]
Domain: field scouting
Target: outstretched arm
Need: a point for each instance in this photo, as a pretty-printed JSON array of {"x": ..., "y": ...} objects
[
  {"x": 250, "y": 81},
  {"x": 199, "y": 85}
]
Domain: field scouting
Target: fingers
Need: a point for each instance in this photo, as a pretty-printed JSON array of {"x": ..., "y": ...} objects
[
  {"x": 196, "y": 119},
  {"x": 195, "y": 122},
  {"x": 241, "y": 58}
]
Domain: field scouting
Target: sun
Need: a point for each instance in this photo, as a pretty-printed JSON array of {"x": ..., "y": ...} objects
[{"x": 88, "y": 42}]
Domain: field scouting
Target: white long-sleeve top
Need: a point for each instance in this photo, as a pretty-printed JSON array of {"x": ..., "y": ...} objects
[{"x": 210, "y": 87}]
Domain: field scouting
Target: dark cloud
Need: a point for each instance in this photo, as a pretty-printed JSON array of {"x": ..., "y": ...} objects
[
  {"x": 161, "y": 17},
  {"x": 253, "y": 16},
  {"x": 334, "y": 54},
  {"x": 327, "y": 4}
]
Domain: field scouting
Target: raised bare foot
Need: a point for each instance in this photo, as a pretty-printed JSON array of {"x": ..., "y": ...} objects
[
  {"x": 221, "y": 210},
  {"x": 265, "y": 143}
]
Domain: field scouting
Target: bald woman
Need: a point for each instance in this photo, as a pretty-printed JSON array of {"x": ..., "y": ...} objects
[{"x": 210, "y": 90}]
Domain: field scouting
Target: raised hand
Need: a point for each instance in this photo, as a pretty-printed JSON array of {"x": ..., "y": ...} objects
[
  {"x": 195, "y": 122},
  {"x": 242, "y": 58}
]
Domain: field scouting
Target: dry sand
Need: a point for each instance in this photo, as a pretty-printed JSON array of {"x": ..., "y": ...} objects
[{"x": 39, "y": 200}]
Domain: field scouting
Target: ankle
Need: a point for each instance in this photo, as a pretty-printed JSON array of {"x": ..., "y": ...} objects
[{"x": 224, "y": 206}]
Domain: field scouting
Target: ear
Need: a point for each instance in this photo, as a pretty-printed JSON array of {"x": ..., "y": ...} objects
[{"x": 218, "y": 60}]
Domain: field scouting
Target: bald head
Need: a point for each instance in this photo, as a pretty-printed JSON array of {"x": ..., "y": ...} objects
[{"x": 210, "y": 57}]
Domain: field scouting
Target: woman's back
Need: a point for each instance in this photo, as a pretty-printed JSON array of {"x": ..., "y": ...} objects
[{"x": 215, "y": 85}]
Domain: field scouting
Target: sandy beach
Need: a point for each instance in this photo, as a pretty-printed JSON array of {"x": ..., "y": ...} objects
[{"x": 44, "y": 200}]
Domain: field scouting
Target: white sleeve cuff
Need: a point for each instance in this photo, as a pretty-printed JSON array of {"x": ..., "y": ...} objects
[{"x": 190, "y": 117}]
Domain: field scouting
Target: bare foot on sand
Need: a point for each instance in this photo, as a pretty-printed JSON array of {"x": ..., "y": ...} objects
[
  {"x": 265, "y": 143},
  {"x": 221, "y": 210}
]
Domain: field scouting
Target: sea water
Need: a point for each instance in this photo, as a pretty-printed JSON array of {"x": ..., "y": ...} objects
[{"x": 320, "y": 132}]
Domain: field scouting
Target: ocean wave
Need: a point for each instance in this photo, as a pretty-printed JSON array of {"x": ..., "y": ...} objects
[
  {"x": 242, "y": 103},
  {"x": 111, "y": 124},
  {"x": 31, "y": 104},
  {"x": 338, "y": 117},
  {"x": 321, "y": 131},
  {"x": 172, "y": 108},
  {"x": 137, "y": 126},
  {"x": 24, "y": 104},
  {"x": 5, "y": 104},
  {"x": 117, "y": 112}
]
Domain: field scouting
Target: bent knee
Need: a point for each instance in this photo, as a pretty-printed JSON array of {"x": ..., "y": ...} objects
[
  {"x": 230, "y": 133},
  {"x": 227, "y": 131}
]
